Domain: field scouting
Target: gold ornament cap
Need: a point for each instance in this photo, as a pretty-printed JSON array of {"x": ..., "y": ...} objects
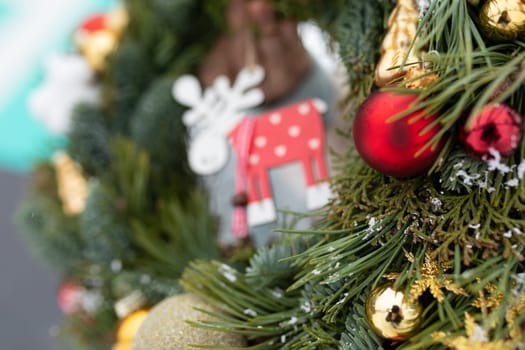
[
  {"x": 502, "y": 20},
  {"x": 390, "y": 314}
]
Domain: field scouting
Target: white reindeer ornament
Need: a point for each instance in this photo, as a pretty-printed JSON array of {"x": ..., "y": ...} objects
[{"x": 293, "y": 133}]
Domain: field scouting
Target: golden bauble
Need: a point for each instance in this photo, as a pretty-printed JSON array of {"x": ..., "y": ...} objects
[
  {"x": 166, "y": 326},
  {"x": 502, "y": 20},
  {"x": 390, "y": 315}
]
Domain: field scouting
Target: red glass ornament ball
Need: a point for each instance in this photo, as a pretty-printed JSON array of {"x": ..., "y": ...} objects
[
  {"x": 497, "y": 127},
  {"x": 391, "y": 146}
]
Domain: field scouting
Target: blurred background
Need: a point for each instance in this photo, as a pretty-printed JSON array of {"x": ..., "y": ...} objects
[
  {"x": 27, "y": 288},
  {"x": 30, "y": 31}
]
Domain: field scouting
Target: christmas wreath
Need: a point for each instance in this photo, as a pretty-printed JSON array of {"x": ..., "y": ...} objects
[{"x": 421, "y": 247}]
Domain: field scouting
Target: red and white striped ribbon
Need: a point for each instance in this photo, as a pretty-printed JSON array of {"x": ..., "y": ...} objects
[{"x": 245, "y": 133}]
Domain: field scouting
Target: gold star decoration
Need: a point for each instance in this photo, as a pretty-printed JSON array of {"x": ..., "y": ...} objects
[
  {"x": 513, "y": 312},
  {"x": 433, "y": 279},
  {"x": 491, "y": 301},
  {"x": 476, "y": 338}
]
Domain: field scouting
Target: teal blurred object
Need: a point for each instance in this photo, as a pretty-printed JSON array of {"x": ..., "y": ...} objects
[{"x": 31, "y": 30}]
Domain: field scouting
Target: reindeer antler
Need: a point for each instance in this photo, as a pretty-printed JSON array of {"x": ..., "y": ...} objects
[
  {"x": 220, "y": 106},
  {"x": 187, "y": 91}
]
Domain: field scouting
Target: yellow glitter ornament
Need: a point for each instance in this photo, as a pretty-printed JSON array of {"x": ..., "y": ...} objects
[
  {"x": 502, "y": 20},
  {"x": 72, "y": 186},
  {"x": 390, "y": 314},
  {"x": 167, "y": 328}
]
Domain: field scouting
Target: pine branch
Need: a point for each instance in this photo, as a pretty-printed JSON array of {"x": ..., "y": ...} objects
[
  {"x": 357, "y": 333},
  {"x": 360, "y": 29},
  {"x": 255, "y": 312},
  {"x": 269, "y": 267},
  {"x": 465, "y": 86},
  {"x": 156, "y": 128},
  {"x": 270, "y": 316},
  {"x": 105, "y": 233},
  {"x": 472, "y": 72},
  {"x": 482, "y": 209},
  {"x": 51, "y": 235},
  {"x": 129, "y": 73},
  {"x": 89, "y": 140}
]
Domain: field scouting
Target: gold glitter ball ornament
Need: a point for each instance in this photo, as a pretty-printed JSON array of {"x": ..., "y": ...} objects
[
  {"x": 502, "y": 20},
  {"x": 390, "y": 314},
  {"x": 166, "y": 326}
]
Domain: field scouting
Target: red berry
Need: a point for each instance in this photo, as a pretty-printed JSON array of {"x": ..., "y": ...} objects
[
  {"x": 391, "y": 147},
  {"x": 496, "y": 127}
]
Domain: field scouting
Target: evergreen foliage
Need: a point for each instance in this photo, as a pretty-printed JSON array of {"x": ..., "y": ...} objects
[
  {"x": 53, "y": 237},
  {"x": 357, "y": 333},
  {"x": 98, "y": 218},
  {"x": 89, "y": 140},
  {"x": 157, "y": 128},
  {"x": 131, "y": 73},
  {"x": 359, "y": 31}
]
